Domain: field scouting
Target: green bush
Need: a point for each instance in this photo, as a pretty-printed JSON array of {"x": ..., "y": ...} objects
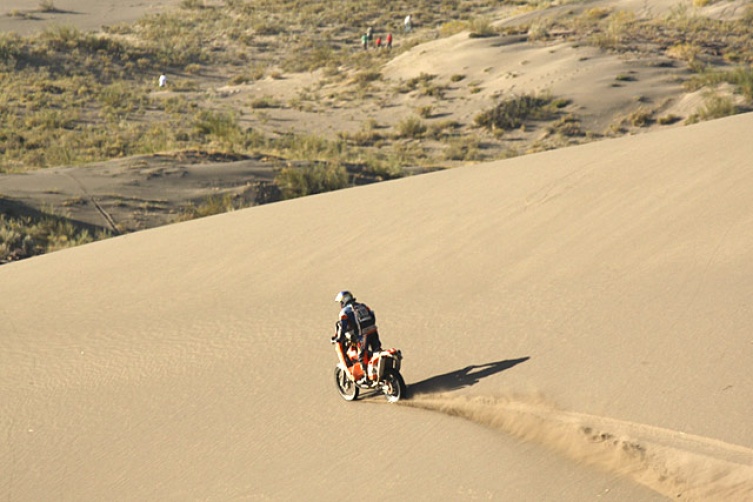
[
  {"x": 714, "y": 107},
  {"x": 411, "y": 127},
  {"x": 221, "y": 126},
  {"x": 26, "y": 236},
  {"x": 512, "y": 113},
  {"x": 210, "y": 206},
  {"x": 481, "y": 27},
  {"x": 312, "y": 179}
]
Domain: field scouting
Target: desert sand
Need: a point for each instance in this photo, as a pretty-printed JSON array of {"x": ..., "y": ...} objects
[
  {"x": 27, "y": 16},
  {"x": 576, "y": 325},
  {"x": 587, "y": 305}
]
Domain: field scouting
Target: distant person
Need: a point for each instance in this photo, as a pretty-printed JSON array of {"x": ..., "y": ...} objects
[
  {"x": 408, "y": 23},
  {"x": 370, "y": 33},
  {"x": 388, "y": 43},
  {"x": 378, "y": 43},
  {"x": 163, "y": 80},
  {"x": 365, "y": 41}
]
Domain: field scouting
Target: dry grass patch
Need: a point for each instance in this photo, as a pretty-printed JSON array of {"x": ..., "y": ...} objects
[{"x": 514, "y": 112}]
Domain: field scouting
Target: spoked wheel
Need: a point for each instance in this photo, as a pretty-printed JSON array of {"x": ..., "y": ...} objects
[
  {"x": 393, "y": 386},
  {"x": 345, "y": 386}
]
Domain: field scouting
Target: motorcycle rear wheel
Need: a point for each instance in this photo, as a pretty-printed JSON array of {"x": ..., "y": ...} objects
[
  {"x": 345, "y": 385},
  {"x": 394, "y": 386}
]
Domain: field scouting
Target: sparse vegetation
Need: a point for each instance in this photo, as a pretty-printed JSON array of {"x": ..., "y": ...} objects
[
  {"x": 317, "y": 178},
  {"x": 741, "y": 78},
  {"x": 30, "y": 235},
  {"x": 481, "y": 27},
  {"x": 69, "y": 97},
  {"x": 715, "y": 106},
  {"x": 512, "y": 113},
  {"x": 411, "y": 127},
  {"x": 47, "y": 6},
  {"x": 210, "y": 206}
]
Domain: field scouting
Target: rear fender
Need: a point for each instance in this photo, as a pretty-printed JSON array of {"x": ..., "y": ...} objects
[{"x": 388, "y": 359}]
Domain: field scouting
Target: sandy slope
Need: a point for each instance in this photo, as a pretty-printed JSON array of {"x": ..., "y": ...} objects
[
  {"x": 592, "y": 301},
  {"x": 137, "y": 192},
  {"x": 25, "y": 16}
]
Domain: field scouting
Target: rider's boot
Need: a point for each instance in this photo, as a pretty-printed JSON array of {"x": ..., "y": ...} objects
[{"x": 364, "y": 378}]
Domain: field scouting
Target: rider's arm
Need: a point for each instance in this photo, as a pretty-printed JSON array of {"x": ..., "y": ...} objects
[{"x": 344, "y": 324}]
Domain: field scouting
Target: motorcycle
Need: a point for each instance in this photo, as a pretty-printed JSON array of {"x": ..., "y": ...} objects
[{"x": 383, "y": 372}]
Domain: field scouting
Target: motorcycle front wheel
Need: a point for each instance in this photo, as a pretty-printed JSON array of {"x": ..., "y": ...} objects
[
  {"x": 345, "y": 386},
  {"x": 394, "y": 386}
]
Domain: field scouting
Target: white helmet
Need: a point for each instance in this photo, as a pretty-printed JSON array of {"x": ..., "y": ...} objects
[{"x": 344, "y": 297}]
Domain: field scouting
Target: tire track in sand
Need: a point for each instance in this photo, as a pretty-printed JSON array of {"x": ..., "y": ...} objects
[
  {"x": 678, "y": 465},
  {"x": 105, "y": 215}
]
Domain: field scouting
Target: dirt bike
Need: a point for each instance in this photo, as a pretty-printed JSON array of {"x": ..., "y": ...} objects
[{"x": 383, "y": 372}]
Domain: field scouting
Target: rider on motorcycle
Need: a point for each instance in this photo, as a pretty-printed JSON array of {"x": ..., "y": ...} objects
[{"x": 358, "y": 322}]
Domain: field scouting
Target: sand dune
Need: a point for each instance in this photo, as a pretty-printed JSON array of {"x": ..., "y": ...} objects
[
  {"x": 27, "y": 16},
  {"x": 612, "y": 281}
]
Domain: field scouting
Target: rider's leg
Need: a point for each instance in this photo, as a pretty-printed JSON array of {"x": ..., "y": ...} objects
[
  {"x": 363, "y": 356},
  {"x": 376, "y": 344}
]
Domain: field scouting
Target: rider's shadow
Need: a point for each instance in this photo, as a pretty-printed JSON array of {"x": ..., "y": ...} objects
[{"x": 459, "y": 379}]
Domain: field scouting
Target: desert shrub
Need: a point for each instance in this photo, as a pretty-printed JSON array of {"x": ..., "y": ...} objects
[
  {"x": 366, "y": 136},
  {"x": 569, "y": 126},
  {"x": 47, "y": 6},
  {"x": 641, "y": 118},
  {"x": 411, "y": 127},
  {"x": 310, "y": 147},
  {"x": 308, "y": 180},
  {"x": 687, "y": 52},
  {"x": 596, "y": 13},
  {"x": 462, "y": 149},
  {"x": 26, "y": 236},
  {"x": 539, "y": 30},
  {"x": 11, "y": 47},
  {"x": 364, "y": 77},
  {"x": 741, "y": 78},
  {"x": 192, "y": 4},
  {"x": 423, "y": 80},
  {"x": 452, "y": 27},
  {"x": 253, "y": 73},
  {"x": 425, "y": 111},
  {"x": 512, "y": 113},
  {"x": 265, "y": 102},
  {"x": 268, "y": 27},
  {"x": 747, "y": 16},
  {"x": 715, "y": 106},
  {"x": 615, "y": 28},
  {"x": 219, "y": 125},
  {"x": 668, "y": 119},
  {"x": 443, "y": 129},
  {"x": 481, "y": 27},
  {"x": 389, "y": 169},
  {"x": 214, "y": 204},
  {"x": 122, "y": 97},
  {"x": 312, "y": 55},
  {"x": 625, "y": 77}
]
